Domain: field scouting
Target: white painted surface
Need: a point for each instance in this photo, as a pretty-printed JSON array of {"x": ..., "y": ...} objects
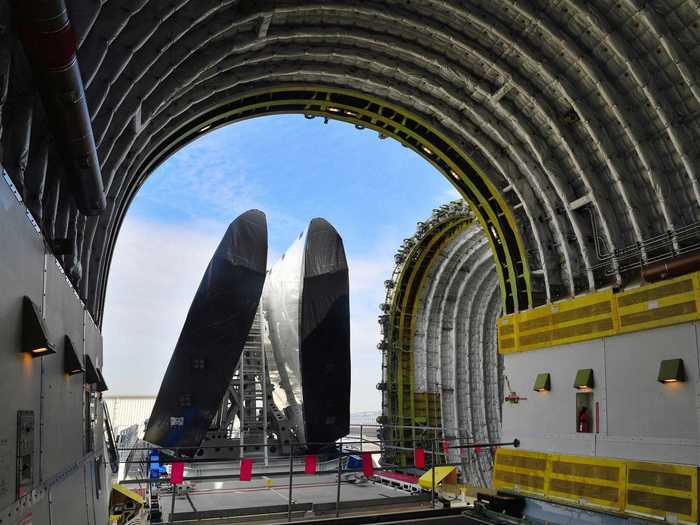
[{"x": 640, "y": 418}]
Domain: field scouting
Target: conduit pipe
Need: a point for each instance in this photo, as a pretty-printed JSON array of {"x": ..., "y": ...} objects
[
  {"x": 49, "y": 41},
  {"x": 675, "y": 267}
]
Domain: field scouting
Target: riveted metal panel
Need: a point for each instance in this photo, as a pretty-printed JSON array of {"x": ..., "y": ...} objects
[
  {"x": 21, "y": 273},
  {"x": 93, "y": 348},
  {"x": 68, "y": 499},
  {"x": 63, "y": 394},
  {"x": 41, "y": 514},
  {"x": 631, "y": 366},
  {"x": 90, "y": 495}
]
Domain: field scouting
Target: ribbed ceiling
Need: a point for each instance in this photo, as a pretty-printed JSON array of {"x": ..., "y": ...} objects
[{"x": 565, "y": 106}]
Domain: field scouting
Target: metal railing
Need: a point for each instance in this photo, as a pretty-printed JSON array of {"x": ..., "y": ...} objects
[{"x": 437, "y": 450}]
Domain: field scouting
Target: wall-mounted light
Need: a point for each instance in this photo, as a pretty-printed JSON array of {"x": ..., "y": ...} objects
[
  {"x": 35, "y": 340},
  {"x": 101, "y": 384},
  {"x": 671, "y": 371},
  {"x": 91, "y": 377},
  {"x": 584, "y": 379},
  {"x": 71, "y": 361},
  {"x": 543, "y": 383}
]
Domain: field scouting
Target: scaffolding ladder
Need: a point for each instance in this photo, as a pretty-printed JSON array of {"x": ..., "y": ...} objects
[{"x": 252, "y": 389}]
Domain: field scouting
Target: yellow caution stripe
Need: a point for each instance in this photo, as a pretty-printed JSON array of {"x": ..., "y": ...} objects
[
  {"x": 652, "y": 490},
  {"x": 601, "y": 314}
]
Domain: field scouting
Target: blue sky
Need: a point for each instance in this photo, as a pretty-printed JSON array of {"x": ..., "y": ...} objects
[{"x": 373, "y": 191}]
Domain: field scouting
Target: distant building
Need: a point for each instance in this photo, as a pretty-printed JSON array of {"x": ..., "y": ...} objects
[{"x": 125, "y": 411}]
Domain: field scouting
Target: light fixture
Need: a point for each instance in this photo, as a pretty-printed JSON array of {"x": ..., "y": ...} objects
[
  {"x": 35, "y": 340},
  {"x": 454, "y": 174},
  {"x": 426, "y": 150},
  {"x": 205, "y": 128},
  {"x": 101, "y": 385},
  {"x": 71, "y": 361},
  {"x": 671, "y": 371},
  {"x": 333, "y": 110},
  {"x": 584, "y": 379},
  {"x": 542, "y": 383},
  {"x": 91, "y": 377}
]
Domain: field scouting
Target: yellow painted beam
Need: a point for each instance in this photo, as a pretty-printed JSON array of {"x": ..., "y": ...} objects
[
  {"x": 601, "y": 314},
  {"x": 653, "y": 490},
  {"x": 372, "y": 112}
]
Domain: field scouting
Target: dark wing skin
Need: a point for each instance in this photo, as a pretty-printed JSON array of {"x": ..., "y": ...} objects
[
  {"x": 212, "y": 337},
  {"x": 324, "y": 335}
]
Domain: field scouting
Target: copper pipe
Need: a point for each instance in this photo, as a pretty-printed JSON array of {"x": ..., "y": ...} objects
[
  {"x": 680, "y": 265},
  {"x": 49, "y": 41}
]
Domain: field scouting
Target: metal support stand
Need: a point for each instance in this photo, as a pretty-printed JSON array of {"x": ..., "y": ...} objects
[
  {"x": 340, "y": 471},
  {"x": 291, "y": 477}
]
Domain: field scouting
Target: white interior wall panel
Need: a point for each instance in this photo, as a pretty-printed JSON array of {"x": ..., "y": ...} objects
[
  {"x": 640, "y": 418},
  {"x": 645, "y": 418},
  {"x": 638, "y": 405},
  {"x": 548, "y": 420}
]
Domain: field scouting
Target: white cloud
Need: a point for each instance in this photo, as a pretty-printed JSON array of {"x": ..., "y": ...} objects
[{"x": 155, "y": 272}]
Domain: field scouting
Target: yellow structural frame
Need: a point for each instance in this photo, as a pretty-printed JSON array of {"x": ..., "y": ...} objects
[
  {"x": 521, "y": 471},
  {"x": 410, "y": 285},
  {"x": 601, "y": 314},
  {"x": 595, "y": 483},
  {"x": 393, "y": 121},
  {"x": 586, "y": 475},
  {"x": 659, "y": 471}
]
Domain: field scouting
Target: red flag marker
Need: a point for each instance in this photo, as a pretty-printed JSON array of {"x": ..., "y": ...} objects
[
  {"x": 310, "y": 465},
  {"x": 445, "y": 446},
  {"x": 367, "y": 466},
  {"x": 246, "y": 469},
  {"x": 477, "y": 450},
  {"x": 177, "y": 473},
  {"x": 419, "y": 458}
]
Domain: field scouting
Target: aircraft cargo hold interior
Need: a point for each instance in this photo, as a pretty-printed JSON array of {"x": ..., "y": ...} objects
[{"x": 535, "y": 353}]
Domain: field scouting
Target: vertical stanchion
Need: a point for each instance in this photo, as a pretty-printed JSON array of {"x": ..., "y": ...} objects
[
  {"x": 172, "y": 507},
  {"x": 291, "y": 477},
  {"x": 340, "y": 471},
  {"x": 432, "y": 478},
  {"x": 361, "y": 440}
]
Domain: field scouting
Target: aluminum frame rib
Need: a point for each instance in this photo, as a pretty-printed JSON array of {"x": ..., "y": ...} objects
[
  {"x": 450, "y": 348},
  {"x": 562, "y": 107}
]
